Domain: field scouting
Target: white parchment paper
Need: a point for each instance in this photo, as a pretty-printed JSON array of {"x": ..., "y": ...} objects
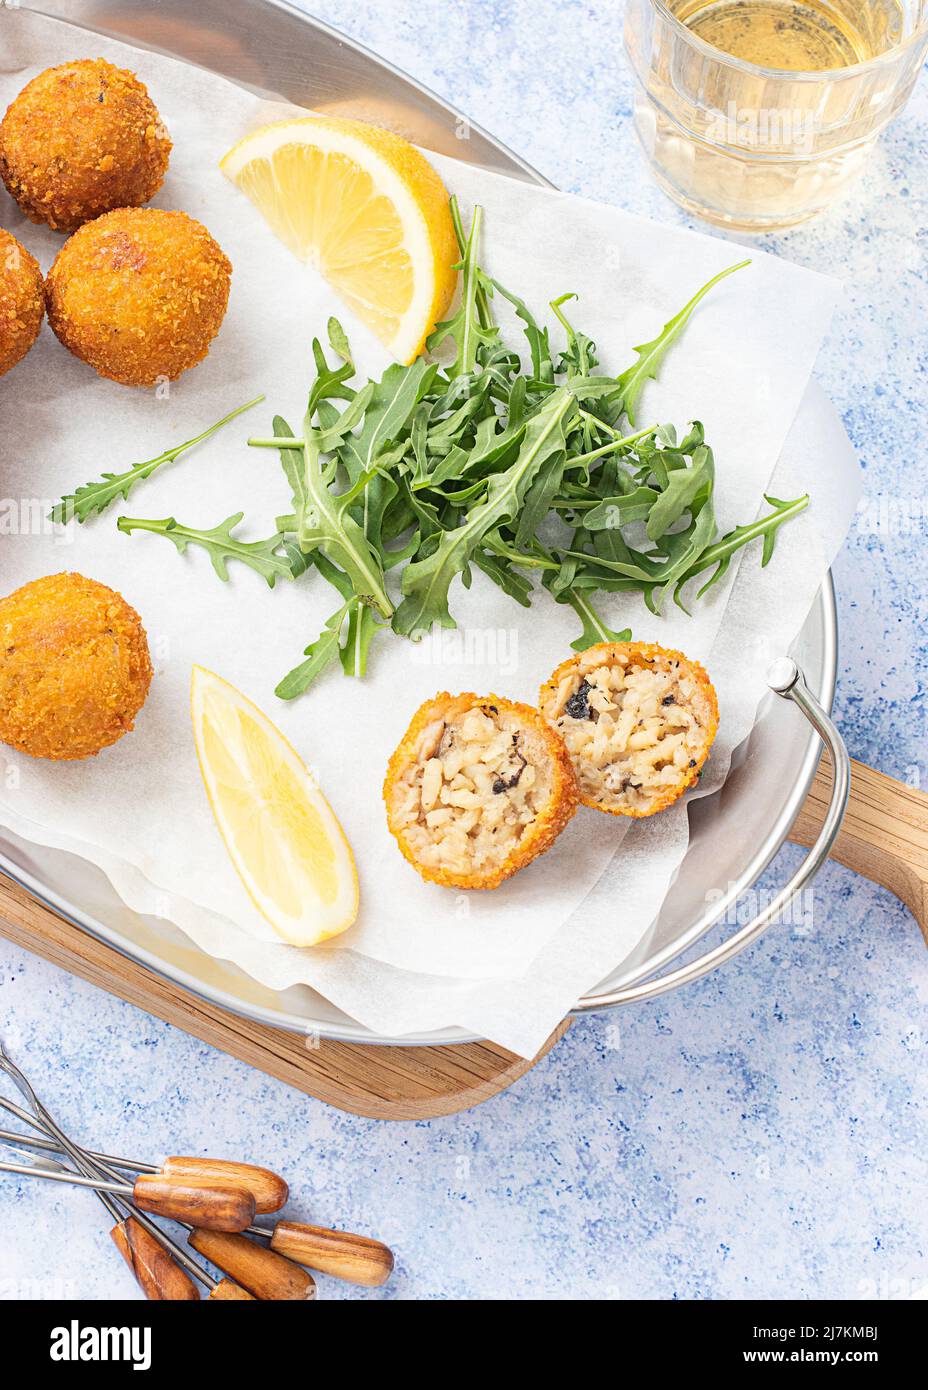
[{"x": 505, "y": 964}]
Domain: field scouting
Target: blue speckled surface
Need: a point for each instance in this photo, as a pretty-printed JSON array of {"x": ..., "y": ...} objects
[{"x": 761, "y": 1134}]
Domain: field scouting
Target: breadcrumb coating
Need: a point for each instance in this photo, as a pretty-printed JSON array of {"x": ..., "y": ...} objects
[
  {"x": 478, "y": 788},
  {"x": 22, "y": 301},
  {"x": 80, "y": 140},
  {"x": 139, "y": 294},
  {"x": 638, "y": 721},
  {"x": 74, "y": 667}
]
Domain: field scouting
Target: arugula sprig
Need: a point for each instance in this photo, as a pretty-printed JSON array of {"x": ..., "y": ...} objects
[
  {"x": 95, "y": 497},
  {"x": 263, "y": 556},
  {"x": 353, "y": 618}
]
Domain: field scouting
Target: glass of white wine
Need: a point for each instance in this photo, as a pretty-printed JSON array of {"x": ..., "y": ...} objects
[{"x": 755, "y": 114}]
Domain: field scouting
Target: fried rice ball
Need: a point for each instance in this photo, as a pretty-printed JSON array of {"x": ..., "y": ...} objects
[
  {"x": 638, "y": 721},
  {"x": 80, "y": 140},
  {"x": 22, "y": 301},
  {"x": 477, "y": 789},
  {"x": 139, "y": 294},
  {"x": 74, "y": 667}
]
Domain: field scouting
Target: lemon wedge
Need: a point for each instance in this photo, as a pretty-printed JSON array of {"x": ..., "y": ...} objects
[
  {"x": 363, "y": 206},
  {"x": 281, "y": 833}
]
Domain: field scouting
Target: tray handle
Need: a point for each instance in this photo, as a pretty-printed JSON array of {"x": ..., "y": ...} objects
[{"x": 786, "y": 680}]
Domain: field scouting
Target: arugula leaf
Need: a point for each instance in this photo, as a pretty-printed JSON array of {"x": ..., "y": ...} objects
[
  {"x": 481, "y": 299},
  {"x": 220, "y": 544},
  {"x": 650, "y": 355},
  {"x": 614, "y": 512},
  {"x": 362, "y": 628},
  {"x": 501, "y": 571},
  {"x": 320, "y": 654},
  {"x": 594, "y": 629},
  {"x": 720, "y": 554},
  {"x": 426, "y": 581},
  {"x": 292, "y": 463},
  {"x": 536, "y": 336},
  {"x": 580, "y": 357},
  {"x": 389, "y": 410},
  {"x": 465, "y": 326},
  {"x": 678, "y": 494},
  {"x": 95, "y": 497},
  {"x": 324, "y": 523},
  {"x": 330, "y": 381}
]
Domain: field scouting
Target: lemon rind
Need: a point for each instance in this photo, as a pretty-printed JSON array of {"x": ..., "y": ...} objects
[{"x": 343, "y": 913}]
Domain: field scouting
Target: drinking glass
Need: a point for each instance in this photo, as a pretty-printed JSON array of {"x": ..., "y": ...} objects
[{"x": 754, "y": 148}]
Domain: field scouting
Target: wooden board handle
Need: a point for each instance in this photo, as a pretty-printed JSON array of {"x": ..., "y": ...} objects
[
  {"x": 355, "y": 1258},
  {"x": 157, "y": 1275},
  {"x": 268, "y": 1189},
  {"x": 265, "y": 1275},
  {"x": 216, "y": 1208},
  {"x": 884, "y": 835}
]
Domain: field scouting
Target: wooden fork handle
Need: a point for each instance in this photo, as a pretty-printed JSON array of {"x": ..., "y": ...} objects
[
  {"x": 269, "y": 1189},
  {"x": 157, "y": 1275},
  {"x": 214, "y": 1208},
  {"x": 264, "y": 1274},
  {"x": 884, "y": 835},
  {"x": 357, "y": 1259}
]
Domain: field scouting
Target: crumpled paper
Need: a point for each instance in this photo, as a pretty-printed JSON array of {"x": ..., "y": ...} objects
[{"x": 506, "y": 964}]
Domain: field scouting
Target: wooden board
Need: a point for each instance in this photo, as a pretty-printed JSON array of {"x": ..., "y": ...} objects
[{"x": 885, "y": 837}]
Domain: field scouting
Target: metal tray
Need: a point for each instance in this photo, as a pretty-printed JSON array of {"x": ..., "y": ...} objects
[{"x": 277, "y": 51}]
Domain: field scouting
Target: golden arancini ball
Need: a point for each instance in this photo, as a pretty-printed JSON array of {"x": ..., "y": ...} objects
[
  {"x": 638, "y": 721},
  {"x": 478, "y": 788},
  {"x": 74, "y": 667},
  {"x": 22, "y": 301},
  {"x": 139, "y": 294},
  {"x": 80, "y": 140}
]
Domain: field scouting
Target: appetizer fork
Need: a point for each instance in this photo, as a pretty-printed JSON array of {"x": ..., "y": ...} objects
[
  {"x": 269, "y": 1190},
  {"x": 229, "y": 1209}
]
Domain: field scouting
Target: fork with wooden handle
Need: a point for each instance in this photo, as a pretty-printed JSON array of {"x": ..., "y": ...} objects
[
  {"x": 270, "y": 1191},
  {"x": 157, "y": 1262},
  {"x": 214, "y": 1208},
  {"x": 156, "y": 1273},
  {"x": 357, "y": 1259},
  {"x": 227, "y": 1208}
]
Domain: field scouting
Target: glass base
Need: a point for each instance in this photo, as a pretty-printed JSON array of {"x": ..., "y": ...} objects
[{"x": 755, "y": 225}]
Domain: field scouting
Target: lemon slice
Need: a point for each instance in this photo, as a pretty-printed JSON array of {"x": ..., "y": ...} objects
[
  {"x": 363, "y": 206},
  {"x": 281, "y": 833}
]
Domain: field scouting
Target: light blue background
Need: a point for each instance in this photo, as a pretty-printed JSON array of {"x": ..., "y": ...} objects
[{"x": 761, "y": 1134}]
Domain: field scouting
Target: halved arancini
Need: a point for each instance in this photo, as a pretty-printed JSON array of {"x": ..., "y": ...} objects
[
  {"x": 638, "y": 721},
  {"x": 478, "y": 788}
]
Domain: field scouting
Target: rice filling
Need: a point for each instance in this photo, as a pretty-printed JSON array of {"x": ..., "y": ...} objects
[
  {"x": 479, "y": 780},
  {"x": 634, "y": 728}
]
